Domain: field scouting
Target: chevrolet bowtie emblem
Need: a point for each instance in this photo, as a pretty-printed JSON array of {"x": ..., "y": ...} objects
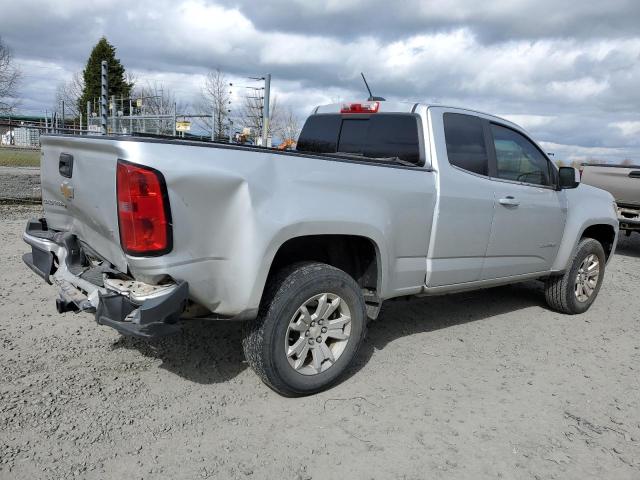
[{"x": 66, "y": 190}]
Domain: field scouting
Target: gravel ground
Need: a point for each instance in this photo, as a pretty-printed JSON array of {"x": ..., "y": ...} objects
[
  {"x": 19, "y": 184},
  {"x": 487, "y": 384}
]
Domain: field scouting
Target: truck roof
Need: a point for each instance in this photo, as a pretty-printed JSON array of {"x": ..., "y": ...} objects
[{"x": 407, "y": 107}]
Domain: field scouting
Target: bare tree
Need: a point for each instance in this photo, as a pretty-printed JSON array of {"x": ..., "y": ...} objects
[
  {"x": 287, "y": 124},
  {"x": 132, "y": 79},
  {"x": 155, "y": 99},
  {"x": 251, "y": 115},
  {"x": 9, "y": 79},
  {"x": 214, "y": 100},
  {"x": 70, "y": 92}
]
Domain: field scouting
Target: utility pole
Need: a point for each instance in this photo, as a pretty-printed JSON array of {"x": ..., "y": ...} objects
[
  {"x": 265, "y": 110},
  {"x": 88, "y": 114},
  {"x": 104, "y": 89},
  {"x": 114, "y": 110},
  {"x": 63, "y": 118},
  {"x": 174, "y": 118}
]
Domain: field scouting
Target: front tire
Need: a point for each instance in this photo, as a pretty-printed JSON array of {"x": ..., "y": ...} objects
[
  {"x": 575, "y": 290},
  {"x": 309, "y": 328}
]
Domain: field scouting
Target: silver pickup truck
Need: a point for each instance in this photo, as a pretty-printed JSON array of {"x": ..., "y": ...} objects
[
  {"x": 623, "y": 182},
  {"x": 380, "y": 200}
]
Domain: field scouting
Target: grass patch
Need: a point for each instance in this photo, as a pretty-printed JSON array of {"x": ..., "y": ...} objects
[{"x": 13, "y": 157}]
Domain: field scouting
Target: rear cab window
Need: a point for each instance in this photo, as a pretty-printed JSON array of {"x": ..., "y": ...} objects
[
  {"x": 381, "y": 136},
  {"x": 466, "y": 146}
]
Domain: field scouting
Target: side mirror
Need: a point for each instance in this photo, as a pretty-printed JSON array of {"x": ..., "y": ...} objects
[{"x": 569, "y": 177}]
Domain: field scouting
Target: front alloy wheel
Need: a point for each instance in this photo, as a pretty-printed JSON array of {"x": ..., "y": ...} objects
[
  {"x": 576, "y": 289},
  {"x": 587, "y": 278}
]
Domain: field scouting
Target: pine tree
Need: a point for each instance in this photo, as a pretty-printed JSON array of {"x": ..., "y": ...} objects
[{"x": 118, "y": 84}]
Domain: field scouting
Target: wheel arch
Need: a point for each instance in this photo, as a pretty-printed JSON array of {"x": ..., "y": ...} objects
[
  {"x": 603, "y": 233},
  {"x": 604, "y": 230},
  {"x": 360, "y": 256}
]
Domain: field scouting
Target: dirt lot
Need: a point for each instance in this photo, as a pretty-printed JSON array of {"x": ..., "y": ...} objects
[
  {"x": 19, "y": 184},
  {"x": 487, "y": 384}
]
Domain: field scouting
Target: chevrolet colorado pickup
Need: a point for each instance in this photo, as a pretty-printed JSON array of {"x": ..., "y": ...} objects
[
  {"x": 380, "y": 200},
  {"x": 623, "y": 182}
]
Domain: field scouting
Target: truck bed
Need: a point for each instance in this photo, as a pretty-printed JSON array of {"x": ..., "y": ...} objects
[
  {"x": 233, "y": 206},
  {"x": 622, "y": 181}
]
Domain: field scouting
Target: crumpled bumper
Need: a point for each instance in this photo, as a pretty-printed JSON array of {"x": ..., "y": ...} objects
[
  {"x": 131, "y": 307},
  {"x": 629, "y": 218}
]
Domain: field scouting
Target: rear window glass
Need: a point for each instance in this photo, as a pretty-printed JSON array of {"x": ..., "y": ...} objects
[
  {"x": 376, "y": 136},
  {"x": 353, "y": 136},
  {"x": 465, "y": 143},
  {"x": 320, "y": 134}
]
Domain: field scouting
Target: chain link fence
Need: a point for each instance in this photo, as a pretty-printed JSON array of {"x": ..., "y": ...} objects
[{"x": 127, "y": 125}]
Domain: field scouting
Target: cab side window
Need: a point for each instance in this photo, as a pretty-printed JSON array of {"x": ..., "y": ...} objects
[
  {"x": 518, "y": 159},
  {"x": 466, "y": 148}
]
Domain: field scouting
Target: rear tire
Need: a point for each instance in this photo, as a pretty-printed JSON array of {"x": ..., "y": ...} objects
[
  {"x": 310, "y": 325},
  {"x": 575, "y": 290}
]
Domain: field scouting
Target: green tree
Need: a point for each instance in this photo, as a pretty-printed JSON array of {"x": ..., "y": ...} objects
[{"x": 118, "y": 84}]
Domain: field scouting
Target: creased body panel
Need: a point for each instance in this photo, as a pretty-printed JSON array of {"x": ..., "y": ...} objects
[{"x": 232, "y": 208}]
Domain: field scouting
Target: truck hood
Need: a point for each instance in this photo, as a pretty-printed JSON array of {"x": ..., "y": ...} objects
[{"x": 591, "y": 192}]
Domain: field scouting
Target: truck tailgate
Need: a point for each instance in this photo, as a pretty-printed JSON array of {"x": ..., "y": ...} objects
[{"x": 79, "y": 192}]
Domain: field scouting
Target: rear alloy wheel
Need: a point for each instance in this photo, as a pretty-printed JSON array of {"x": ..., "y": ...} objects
[
  {"x": 308, "y": 330},
  {"x": 575, "y": 290},
  {"x": 318, "y": 333}
]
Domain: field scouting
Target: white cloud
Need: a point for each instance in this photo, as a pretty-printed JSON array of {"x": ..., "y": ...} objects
[
  {"x": 573, "y": 88},
  {"x": 629, "y": 129},
  {"x": 578, "y": 153},
  {"x": 578, "y": 89},
  {"x": 529, "y": 121}
]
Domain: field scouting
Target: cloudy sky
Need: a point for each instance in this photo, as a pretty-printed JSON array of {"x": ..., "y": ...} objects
[{"x": 568, "y": 71}]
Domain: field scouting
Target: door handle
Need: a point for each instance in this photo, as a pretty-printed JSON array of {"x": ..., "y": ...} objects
[
  {"x": 509, "y": 201},
  {"x": 65, "y": 165}
]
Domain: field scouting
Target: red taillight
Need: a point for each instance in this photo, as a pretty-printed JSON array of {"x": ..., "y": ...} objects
[
  {"x": 366, "y": 107},
  {"x": 143, "y": 210}
]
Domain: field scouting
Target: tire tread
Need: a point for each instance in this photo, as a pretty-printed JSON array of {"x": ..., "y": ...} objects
[
  {"x": 255, "y": 334},
  {"x": 558, "y": 288}
]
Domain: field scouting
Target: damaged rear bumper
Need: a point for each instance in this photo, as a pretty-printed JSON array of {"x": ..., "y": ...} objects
[{"x": 131, "y": 307}]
